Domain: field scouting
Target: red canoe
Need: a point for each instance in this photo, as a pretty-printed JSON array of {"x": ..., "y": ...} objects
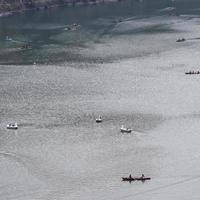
[{"x": 135, "y": 179}]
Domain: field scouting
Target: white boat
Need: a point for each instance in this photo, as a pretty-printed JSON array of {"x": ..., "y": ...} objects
[
  {"x": 72, "y": 27},
  {"x": 99, "y": 120},
  {"x": 125, "y": 130},
  {"x": 12, "y": 126},
  {"x": 8, "y": 38}
]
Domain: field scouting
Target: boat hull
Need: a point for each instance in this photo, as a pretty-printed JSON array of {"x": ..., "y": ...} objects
[
  {"x": 135, "y": 179},
  {"x": 14, "y": 128},
  {"x": 125, "y": 130},
  {"x": 192, "y": 73},
  {"x": 98, "y": 120}
]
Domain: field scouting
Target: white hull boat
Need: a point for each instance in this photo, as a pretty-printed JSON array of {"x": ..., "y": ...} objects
[
  {"x": 12, "y": 126},
  {"x": 99, "y": 120},
  {"x": 125, "y": 130}
]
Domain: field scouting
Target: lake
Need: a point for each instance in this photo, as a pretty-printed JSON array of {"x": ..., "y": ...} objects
[{"x": 118, "y": 60}]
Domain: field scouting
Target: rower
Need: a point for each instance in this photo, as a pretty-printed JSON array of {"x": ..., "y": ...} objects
[{"x": 142, "y": 176}]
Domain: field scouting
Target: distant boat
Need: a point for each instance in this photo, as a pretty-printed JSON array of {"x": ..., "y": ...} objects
[
  {"x": 192, "y": 72},
  {"x": 26, "y": 47},
  {"x": 130, "y": 179},
  {"x": 181, "y": 40},
  {"x": 12, "y": 126},
  {"x": 72, "y": 27},
  {"x": 99, "y": 120},
  {"x": 125, "y": 130},
  {"x": 8, "y": 38}
]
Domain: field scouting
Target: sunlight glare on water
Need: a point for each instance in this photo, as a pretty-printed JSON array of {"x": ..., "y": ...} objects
[{"x": 123, "y": 63}]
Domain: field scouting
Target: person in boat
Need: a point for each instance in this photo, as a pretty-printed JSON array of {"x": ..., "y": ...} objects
[
  {"x": 130, "y": 177},
  {"x": 142, "y": 176}
]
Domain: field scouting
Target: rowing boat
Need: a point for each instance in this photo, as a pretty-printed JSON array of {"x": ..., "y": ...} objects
[{"x": 135, "y": 179}]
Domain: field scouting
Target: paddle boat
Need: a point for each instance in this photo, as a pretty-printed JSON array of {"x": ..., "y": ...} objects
[
  {"x": 125, "y": 130},
  {"x": 72, "y": 27},
  {"x": 12, "y": 126},
  {"x": 8, "y": 38},
  {"x": 99, "y": 120}
]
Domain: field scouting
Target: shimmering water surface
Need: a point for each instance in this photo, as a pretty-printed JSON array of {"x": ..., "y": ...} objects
[{"x": 123, "y": 63}]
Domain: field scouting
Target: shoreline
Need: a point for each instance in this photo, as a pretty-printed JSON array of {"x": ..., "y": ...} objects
[{"x": 47, "y": 6}]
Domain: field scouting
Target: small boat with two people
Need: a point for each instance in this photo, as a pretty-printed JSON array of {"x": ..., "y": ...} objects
[
  {"x": 99, "y": 119},
  {"x": 181, "y": 40},
  {"x": 125, "y": 130},
  {"x": 13, "y": 126},
  {"x": 141, "y": 178}
]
